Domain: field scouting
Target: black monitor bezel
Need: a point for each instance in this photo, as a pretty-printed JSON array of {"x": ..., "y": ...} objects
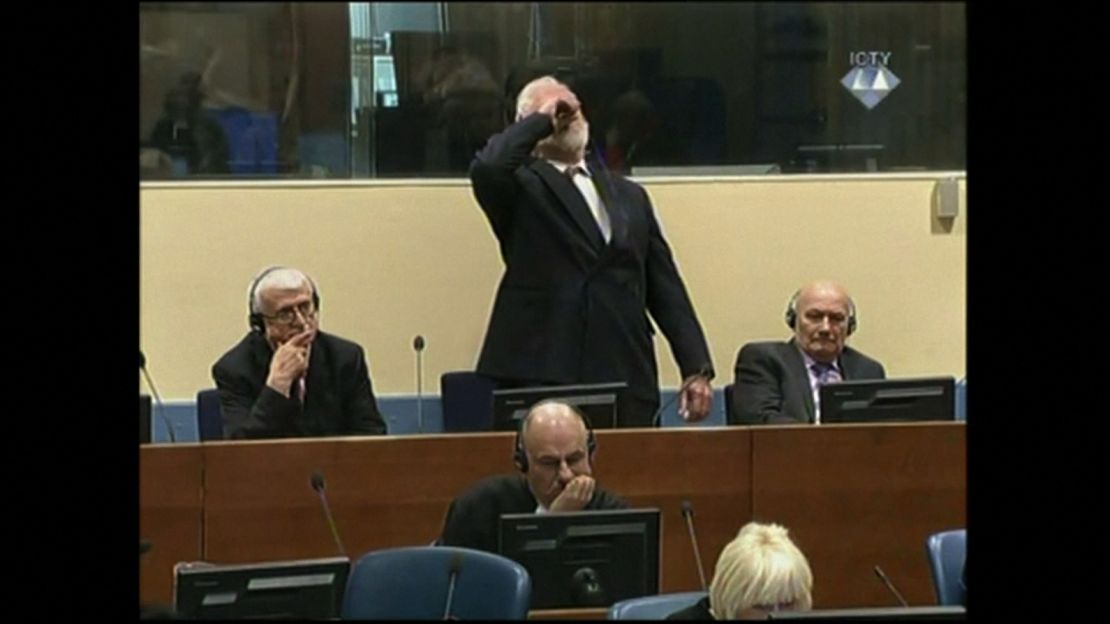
[
  {"x": 651, "y": 516},
  {"x": 831, "y": 397},
  {"x": 504, "y": 420},
  {"x": 928, "y": 612},
  {"x": 236, "y": 577}
]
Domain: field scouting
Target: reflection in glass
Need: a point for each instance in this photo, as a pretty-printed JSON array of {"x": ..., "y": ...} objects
[{"x": 392, "y": 89}]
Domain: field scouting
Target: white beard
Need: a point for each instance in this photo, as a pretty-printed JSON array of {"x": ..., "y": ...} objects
[{"x": 571, "y": 141}]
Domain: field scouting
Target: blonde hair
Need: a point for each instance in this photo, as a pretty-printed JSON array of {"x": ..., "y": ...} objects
[{"x": 760, "y": 568}]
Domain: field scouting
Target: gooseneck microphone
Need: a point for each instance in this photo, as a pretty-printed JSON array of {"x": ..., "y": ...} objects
[
  {"x": 452, "y": 575},
  {"x": 703, "y": 373},
  {"x": 418, "y": 346},
  {"x": 890, "y": 586},
  {"x": 157, "y": 399},
  {"x": 318, "y": 485},
  {"x": 688, "y": 515}
]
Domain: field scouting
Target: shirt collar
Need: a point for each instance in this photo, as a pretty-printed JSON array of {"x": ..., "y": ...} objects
[
  {"x": 810, "y": 361},
  {"x": 562, "y": 166}
]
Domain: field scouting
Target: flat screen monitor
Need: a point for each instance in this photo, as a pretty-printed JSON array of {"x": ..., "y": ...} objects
[
  {"x": 880, "y": 613},
  {"x": 597, "y": 401},
  {"x": 144, "y": 419},
  {"x": 889, "y": 400},
  {"x": 303, "y": 589},
  {"x": 584, "y": 558}
]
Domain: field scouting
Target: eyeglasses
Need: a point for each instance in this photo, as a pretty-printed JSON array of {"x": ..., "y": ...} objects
[{"x": 286, "y": 316}]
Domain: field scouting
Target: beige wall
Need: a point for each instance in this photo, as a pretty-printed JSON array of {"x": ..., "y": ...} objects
[{"x": 393, "y": 260}]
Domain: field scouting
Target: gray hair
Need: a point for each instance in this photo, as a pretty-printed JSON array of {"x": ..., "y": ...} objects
[
  {"x": 526, "y": 100},
  {"x": 279, "y": 277}
]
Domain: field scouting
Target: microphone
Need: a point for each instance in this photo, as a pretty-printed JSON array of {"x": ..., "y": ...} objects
[
  {"x": 688, "y": 515},
  {"x": 586, "y": 588},
  {"x": 890, "y": 586},
  {"x": 703, "y": 372},
  {"x": 452, "y": 575},
  {"x": 418, "y": 346},
  {"x": 157, "y": 399},
  {"x": 318, "y": 485}
]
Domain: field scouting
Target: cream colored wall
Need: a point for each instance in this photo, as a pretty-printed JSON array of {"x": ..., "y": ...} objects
[{"x": 395, "y": 260}]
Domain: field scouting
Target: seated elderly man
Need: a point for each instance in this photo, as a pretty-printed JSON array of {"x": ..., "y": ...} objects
[
  {"x": 760, "y": 571},
  {"x": 554, "y": 452},
  {"x": 286, "y": 378},
  {"x": 779, "y": 382}
]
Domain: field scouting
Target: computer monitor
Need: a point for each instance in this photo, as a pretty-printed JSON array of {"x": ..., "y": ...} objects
[
  {"x": 584, "y": 558},
  {"x": 888, "y": 400},
  {"x": 144, "y": 419},
  {"x": 303, "y": 589},
  {"x": 597, "y": 401},
  {"x": 880, "y": 613}
]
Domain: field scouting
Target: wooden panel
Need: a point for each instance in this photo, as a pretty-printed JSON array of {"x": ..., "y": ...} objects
[
  {"x": 384, "y": 491},
  {"x": 170, "y": 505},
  {"x": 854, "y": 496},
  {"x": 661, "y": 468}
]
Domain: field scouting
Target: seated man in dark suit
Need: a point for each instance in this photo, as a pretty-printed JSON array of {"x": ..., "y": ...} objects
[
  {"x": 554, "y": 452},
  {"x": 777, "y": 382},
  {"x": 286, "y": 378}
]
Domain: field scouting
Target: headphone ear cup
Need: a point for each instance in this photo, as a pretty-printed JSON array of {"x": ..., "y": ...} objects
[{"x": 520, "y": 458}]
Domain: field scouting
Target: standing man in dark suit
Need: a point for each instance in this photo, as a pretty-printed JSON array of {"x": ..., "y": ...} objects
[
  {"x": 777, "y": 382},
  {"x": 287, "y": 378},
  {"x": 585, "y": 261}
]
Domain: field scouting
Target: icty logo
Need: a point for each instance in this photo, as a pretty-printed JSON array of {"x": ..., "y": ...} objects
[{"x": 870, "y": 80}]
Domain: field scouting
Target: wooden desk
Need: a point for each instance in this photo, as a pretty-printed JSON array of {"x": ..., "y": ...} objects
[
  {"x": 852, "y": 496},
  {"x": 171, "y": 496},
  {"x": 856, "y": 496}
]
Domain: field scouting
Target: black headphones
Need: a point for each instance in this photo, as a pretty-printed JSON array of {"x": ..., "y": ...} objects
[
  {"x": 520, "y": 457},
  {"x": 254, "y": 317},
  {"x": 792, "y": 313}
]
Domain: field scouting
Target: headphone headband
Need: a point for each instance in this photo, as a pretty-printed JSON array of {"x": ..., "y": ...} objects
[
  {"x": 791, "y": 315},
  {"x": 254, "y": 317},
  {"x": 520, "y": 456}
]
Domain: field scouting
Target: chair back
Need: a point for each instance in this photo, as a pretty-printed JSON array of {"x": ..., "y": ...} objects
[
  {"x": 413, "y": 583},
  {"x": 961, "y": 400},
  {"x": 210, "y": 421},
  {"x": 728, "y": 403},
  {"x": 653, "y": 607},
  {"x": 467, "y": 400},
  {"x": 947, "y": 552}
]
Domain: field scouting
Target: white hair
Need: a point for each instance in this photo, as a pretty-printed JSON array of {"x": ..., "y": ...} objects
[
  {"x": 761, "y": 568},
  {"x": 526, "y": 100},
  {"x": 276, "y": 277}
]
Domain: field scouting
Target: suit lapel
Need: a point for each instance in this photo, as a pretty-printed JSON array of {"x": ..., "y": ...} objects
[
  {"x": 572, "y": 201},
  {"x": 847, "y": 364}
]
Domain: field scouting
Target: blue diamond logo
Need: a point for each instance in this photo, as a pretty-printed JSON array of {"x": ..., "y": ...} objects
[{"x": 870, "y": 84}]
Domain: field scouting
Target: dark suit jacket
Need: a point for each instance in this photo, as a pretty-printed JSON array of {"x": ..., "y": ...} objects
[
  {"x": 339, "y": 399},
  {"x": 472, "y": 518},
  {"x": 571, "y": 308},
  {"x": 771, "y": 384}
]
